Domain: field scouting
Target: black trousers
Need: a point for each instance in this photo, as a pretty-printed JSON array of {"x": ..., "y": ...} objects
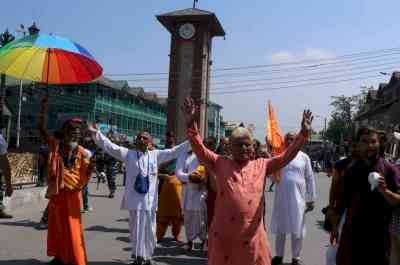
[
  {"x": 1, "y": 193},
  {"x": 111, "y": 171}
]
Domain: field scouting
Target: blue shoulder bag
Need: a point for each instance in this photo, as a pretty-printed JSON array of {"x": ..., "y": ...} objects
[{"x": 142, "y": 183}]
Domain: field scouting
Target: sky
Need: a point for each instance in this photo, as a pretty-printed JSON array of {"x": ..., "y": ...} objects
[{"x": 125, "y": 37}]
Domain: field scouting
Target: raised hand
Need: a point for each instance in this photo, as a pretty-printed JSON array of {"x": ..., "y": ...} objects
[
  {"x": 307, "y": 121},
  {"x": 189, "y": 110},
  {"x": 91, "y": 127}
]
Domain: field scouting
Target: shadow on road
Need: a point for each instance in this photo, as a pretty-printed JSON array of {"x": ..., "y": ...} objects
[
  {"x": 181, "y": 261},
  {"x": 98, "y": 195},
  {"x": 124, "y": 239},
  {"x": 21, "y": 262},
  {"x": 123, "y": 220},
  {"x": 23, "y": 223},
  {"x": 38, "y": 262},
  {"x": 100, "y": 228}
]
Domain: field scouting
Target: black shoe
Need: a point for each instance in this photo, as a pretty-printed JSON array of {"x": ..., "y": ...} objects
[
  {"x": 277, "y": 260},
  {"x": 189, "y": 246},
  {"x": 4, "y": 215},
  {"x": 111, "y": 195},
  {"x": 149, "y": 262},
  {"x": 297, "y": 262},
  {"x": 56, "y": 261},
  {"x": 140, "y": 261}
]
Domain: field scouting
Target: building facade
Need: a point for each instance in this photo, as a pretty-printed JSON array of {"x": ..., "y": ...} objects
[
  {"x": 112, "y": 104},
  {"x": 382, "y": 109}
]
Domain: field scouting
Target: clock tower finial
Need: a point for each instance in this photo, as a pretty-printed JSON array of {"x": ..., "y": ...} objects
[{"x": 194, "y": 3}]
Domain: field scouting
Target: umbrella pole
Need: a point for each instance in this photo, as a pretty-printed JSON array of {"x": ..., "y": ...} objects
[
  {"x": 19, "y": 114},
  {"x": 48, "y": 71}
]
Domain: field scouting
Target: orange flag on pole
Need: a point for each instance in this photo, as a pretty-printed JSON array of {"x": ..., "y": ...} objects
[{"x": 274, "y": 136}]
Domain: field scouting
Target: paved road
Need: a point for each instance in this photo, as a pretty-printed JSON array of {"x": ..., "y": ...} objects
[{"x": 106, "y": 234}]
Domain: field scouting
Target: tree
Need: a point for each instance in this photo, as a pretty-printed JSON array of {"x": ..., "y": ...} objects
[
  {"x": 341, "y": 126},
  {"x": 361, "y": 100},
  {"x": 5, "y": 38}
]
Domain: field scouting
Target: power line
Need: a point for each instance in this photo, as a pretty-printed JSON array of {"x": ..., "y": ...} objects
[
  {"x": 312, "y": 84},
  {"x": 397, "y": 62},
  {"x": 270, "y": 65},
  {"x": 294, "y": 86},
  {"x": 376, "y": 68},
  {"x": 325, "y": 66}
]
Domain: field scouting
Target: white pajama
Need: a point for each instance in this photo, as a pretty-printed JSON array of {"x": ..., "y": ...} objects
[
  {"x": 296, "y": 188},
  {"x": 142, "y": 226},
  {"x": 195, "y": 225},
  {"x": 194, "y": 198},
  {"x": 297, "y": 244}
]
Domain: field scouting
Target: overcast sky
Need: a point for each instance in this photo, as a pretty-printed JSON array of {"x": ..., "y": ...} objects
[{"x": 125, "y": 37}]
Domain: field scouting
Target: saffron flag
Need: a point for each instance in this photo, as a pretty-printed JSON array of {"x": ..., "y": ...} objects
[{"x": 274, "y": 136}]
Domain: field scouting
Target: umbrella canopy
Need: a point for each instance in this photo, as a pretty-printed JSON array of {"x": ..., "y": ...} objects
[{"x": 48, "y": 59}]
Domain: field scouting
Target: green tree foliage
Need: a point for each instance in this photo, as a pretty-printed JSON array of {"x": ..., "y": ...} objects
[{"x": 341, "y": 124}]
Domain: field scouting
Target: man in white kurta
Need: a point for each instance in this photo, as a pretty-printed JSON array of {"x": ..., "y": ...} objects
[
  {"x": 194, "y": 200},
  {"x": 294, "y": 197},
  {"x": 142, "y": 207}
]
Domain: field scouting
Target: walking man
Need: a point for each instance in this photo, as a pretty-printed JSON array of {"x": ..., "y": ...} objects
[
  {"x": 141, "y": 190},
  {"x": 294, "y": 197},
  {"x": 237, "y": 233},
  {"x": 170, "y": 197},
  {"x": 365, "y": 237}
]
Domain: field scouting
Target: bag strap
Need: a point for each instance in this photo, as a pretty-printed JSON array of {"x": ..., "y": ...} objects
[{"x": 148, "y": 163}]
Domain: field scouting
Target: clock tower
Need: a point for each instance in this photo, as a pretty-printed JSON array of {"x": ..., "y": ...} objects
[{"x": 191, "y": 31}]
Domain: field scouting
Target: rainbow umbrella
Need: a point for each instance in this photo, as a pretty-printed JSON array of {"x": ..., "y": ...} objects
[{"x": 48, "y": 59}]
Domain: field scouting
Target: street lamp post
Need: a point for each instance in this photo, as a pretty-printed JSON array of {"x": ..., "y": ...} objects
[
  {"x": 19, "y": 114},
  {"x": 32, "y": 30},
  {"x": 324, "y": 138}
]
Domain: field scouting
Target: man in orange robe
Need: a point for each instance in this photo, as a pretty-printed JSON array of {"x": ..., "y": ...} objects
[
  {"x": 170, "y": 198},
  {"x": 69, "y": 171}
]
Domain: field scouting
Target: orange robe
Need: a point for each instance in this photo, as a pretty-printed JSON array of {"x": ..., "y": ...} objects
[
  {"x": 169, "y": 207},
  {"x": 65, "y": 233}
]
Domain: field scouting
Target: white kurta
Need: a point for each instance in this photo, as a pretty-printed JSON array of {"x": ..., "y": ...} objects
[
  {"x": 194, "y": 198},
  {"x": 142, "y": 207},
  {"x": 297, "y": 187},
  {"x": 193, "y": 194},
  {"x": 135, "y": 162}
]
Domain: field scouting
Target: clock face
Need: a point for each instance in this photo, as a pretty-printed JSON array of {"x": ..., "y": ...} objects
[{"x": 187, "y": 31}]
